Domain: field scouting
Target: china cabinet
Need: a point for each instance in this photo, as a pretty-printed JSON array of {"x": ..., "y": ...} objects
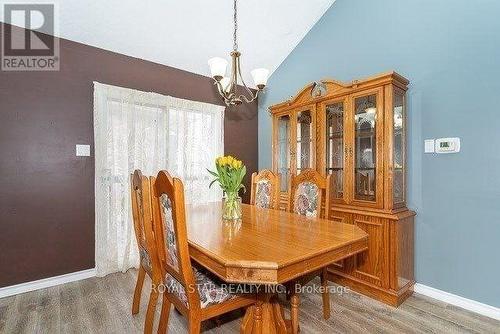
[{"x": 357, "y": 133}]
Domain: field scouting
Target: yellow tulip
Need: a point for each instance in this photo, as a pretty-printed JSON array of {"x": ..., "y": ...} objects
[{"x": 229, "y": 161}]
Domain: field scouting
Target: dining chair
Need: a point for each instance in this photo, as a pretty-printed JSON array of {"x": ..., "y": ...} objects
[
  {"x": 307, "y": 191},
  {"x": 196, "y": 293},
  {"x": 141, "y": 213},
  {"x": 265, "y": 189}
]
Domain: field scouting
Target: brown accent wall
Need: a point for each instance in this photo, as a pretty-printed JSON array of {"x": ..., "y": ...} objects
[{"x": 46, "y": 192}]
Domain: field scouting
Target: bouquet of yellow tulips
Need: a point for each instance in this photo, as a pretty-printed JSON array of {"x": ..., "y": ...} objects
[{"x": 230, "y": 173}]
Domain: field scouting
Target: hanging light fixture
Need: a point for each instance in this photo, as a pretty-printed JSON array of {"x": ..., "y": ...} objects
[{"x": 228, "y": 86}]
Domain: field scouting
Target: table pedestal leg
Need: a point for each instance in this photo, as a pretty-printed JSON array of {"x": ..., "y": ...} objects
[{"x": 265, "y": 317}]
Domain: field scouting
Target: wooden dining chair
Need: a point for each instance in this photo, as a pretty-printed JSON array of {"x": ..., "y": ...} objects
[
  {"x": 141, "y": 212},
  {"x": 308, "y": 191},
  {"x": 265, "y": 189},
  {"x": 195, "y": 293}
]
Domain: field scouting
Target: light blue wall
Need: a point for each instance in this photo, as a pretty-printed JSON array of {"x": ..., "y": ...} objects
[{"x": 450, "y": 52}]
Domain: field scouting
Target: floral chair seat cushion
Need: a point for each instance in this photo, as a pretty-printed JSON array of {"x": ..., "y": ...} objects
[
  {"x": 306, "y": 199},
  {"x": 210, "y": 289},
  {"x": 263, "y": 194}
]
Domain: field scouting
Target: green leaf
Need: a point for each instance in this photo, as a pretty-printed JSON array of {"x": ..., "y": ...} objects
[
  {"x": 212, "y": 183},
  {"x": 213, "y": 173}
]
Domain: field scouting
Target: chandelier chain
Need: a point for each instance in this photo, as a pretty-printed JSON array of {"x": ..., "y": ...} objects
[{"x": 235, "y": 41}]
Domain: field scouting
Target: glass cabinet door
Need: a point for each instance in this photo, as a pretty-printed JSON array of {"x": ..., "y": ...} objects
[
  {"x": 399, "y": 117},
  {"x": 283, "y": 151},
  {"x": 367, "y": 133},
  {"x": 304, "y": 141},
  {"x": 334, "y": 146}
]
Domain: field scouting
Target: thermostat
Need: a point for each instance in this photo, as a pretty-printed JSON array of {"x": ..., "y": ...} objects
[{"x": 448, "y": 145}]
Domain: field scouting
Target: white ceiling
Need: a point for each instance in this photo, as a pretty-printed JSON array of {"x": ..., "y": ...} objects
[{"x": 185, "y": 34}]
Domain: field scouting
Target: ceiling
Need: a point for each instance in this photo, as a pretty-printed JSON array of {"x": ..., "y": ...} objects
[{"x": 185, "y": 34}]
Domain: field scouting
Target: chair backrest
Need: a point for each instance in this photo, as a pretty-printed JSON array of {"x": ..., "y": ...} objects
[
  {"x": 169, "y": 221},
  {"x": 265, "y": 189},
  {"x": 307, "y": 191},
  {"x": 142, "y": 217}
]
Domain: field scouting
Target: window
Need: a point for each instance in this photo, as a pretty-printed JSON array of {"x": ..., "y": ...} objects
[{"x": 150, "y": 132}]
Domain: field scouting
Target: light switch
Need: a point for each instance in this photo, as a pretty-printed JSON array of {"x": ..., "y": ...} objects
[
  {"x": 429, "y": 146},
  {"x": 82, "y": 150}
]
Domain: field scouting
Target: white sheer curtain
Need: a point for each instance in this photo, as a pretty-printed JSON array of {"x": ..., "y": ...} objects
[
  {"x": 150, "y": 132},
  {"x": 195, "y": 138}
]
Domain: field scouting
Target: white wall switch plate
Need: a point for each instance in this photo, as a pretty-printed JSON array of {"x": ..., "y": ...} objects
[
  {"x": 429, "y": 146},
  {"x": 82, "y": 150}
]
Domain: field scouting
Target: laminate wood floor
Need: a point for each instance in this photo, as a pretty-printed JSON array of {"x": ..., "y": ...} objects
[{"x": 103, "y": 305}]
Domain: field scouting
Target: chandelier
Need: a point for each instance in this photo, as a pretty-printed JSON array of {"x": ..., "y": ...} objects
[{"x": 228, "y": 86}]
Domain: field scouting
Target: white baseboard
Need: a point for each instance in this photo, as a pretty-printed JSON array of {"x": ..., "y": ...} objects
[
  {"x": 468, "y": 304},
  {"x": 45, "y": 283}
]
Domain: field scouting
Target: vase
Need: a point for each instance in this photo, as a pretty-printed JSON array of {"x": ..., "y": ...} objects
[{"x": 231, "y": 206}]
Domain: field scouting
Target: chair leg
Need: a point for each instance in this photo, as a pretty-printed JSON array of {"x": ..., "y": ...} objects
[
  {"x": 194, "y": 325},
  {"x": 165, "y": 313},
  {"x": 325, "y": 294},
  {"x": 150, "y": 314},
  {"x": 138, "y": 290}
]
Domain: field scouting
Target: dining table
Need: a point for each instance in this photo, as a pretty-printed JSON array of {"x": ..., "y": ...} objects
[{"x": 267, "y": 248}]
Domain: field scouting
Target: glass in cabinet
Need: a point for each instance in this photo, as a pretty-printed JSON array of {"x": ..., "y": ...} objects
[
  {"x": 366, "y": 151},
  {"x": 283, "y": 151},
  {"x": 304, "y": 144},
  {"x": 334, "y": 146},
  {"x": 398, "y": 158}
]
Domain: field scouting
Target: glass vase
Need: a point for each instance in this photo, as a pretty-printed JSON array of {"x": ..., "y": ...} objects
[{"x": 231, "y": 206}]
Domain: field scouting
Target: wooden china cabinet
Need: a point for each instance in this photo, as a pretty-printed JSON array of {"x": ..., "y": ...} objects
[{"x": 357, "y": 133}]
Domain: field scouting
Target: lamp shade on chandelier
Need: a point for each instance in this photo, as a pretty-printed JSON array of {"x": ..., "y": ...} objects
[{"x": 227, "y": 86}]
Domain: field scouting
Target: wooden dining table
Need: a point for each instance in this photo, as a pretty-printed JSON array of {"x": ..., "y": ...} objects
[{"x": 266, "y": 248}]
